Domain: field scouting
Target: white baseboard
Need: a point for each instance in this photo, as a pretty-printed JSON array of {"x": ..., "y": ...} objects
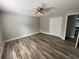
[
  {"x": 20, "y": 37},
  {"x": 52, "y": 34},
  {"x": 14, "y": 39},
  {"x": 44, "y": 32}
]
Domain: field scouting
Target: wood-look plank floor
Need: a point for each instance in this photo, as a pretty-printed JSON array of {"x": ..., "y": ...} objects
[{"x": 40, "y": 46}]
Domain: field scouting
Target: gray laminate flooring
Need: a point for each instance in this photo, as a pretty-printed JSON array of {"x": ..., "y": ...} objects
[{"x": 40, "y": 46}]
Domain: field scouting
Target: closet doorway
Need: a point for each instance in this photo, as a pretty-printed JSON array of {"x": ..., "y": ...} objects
[{"x": 72, "y": 29}]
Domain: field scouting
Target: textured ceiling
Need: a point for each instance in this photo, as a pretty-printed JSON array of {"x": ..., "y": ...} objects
[{"x": 23, "y": 6}]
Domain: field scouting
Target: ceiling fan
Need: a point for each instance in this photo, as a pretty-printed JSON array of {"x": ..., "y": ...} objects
[{"x": 42, "y": 9}]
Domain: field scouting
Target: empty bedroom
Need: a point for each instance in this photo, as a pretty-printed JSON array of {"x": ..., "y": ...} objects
[{"x": 39, "y": 29}]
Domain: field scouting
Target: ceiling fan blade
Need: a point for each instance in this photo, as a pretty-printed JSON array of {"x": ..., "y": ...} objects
[
  {"x": 50, "y": 8},
  {"x": 32, "y": 10}
]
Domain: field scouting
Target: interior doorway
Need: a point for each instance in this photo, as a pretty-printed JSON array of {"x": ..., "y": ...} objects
[{"x": 72, "y": 28}]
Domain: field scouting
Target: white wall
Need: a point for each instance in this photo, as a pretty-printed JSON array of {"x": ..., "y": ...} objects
[
  {"x": 1, "y": 39},
  {"x": 44, "y": 24},
  {"x": 18, "y": 25},
  {"x": 51, "y": 25},
  {"x": 56, "y": 23},
  {"x": 63, "y": 29}
]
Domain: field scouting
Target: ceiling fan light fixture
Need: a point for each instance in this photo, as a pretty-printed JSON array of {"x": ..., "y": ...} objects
[{"x": 40, "y": 10}]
